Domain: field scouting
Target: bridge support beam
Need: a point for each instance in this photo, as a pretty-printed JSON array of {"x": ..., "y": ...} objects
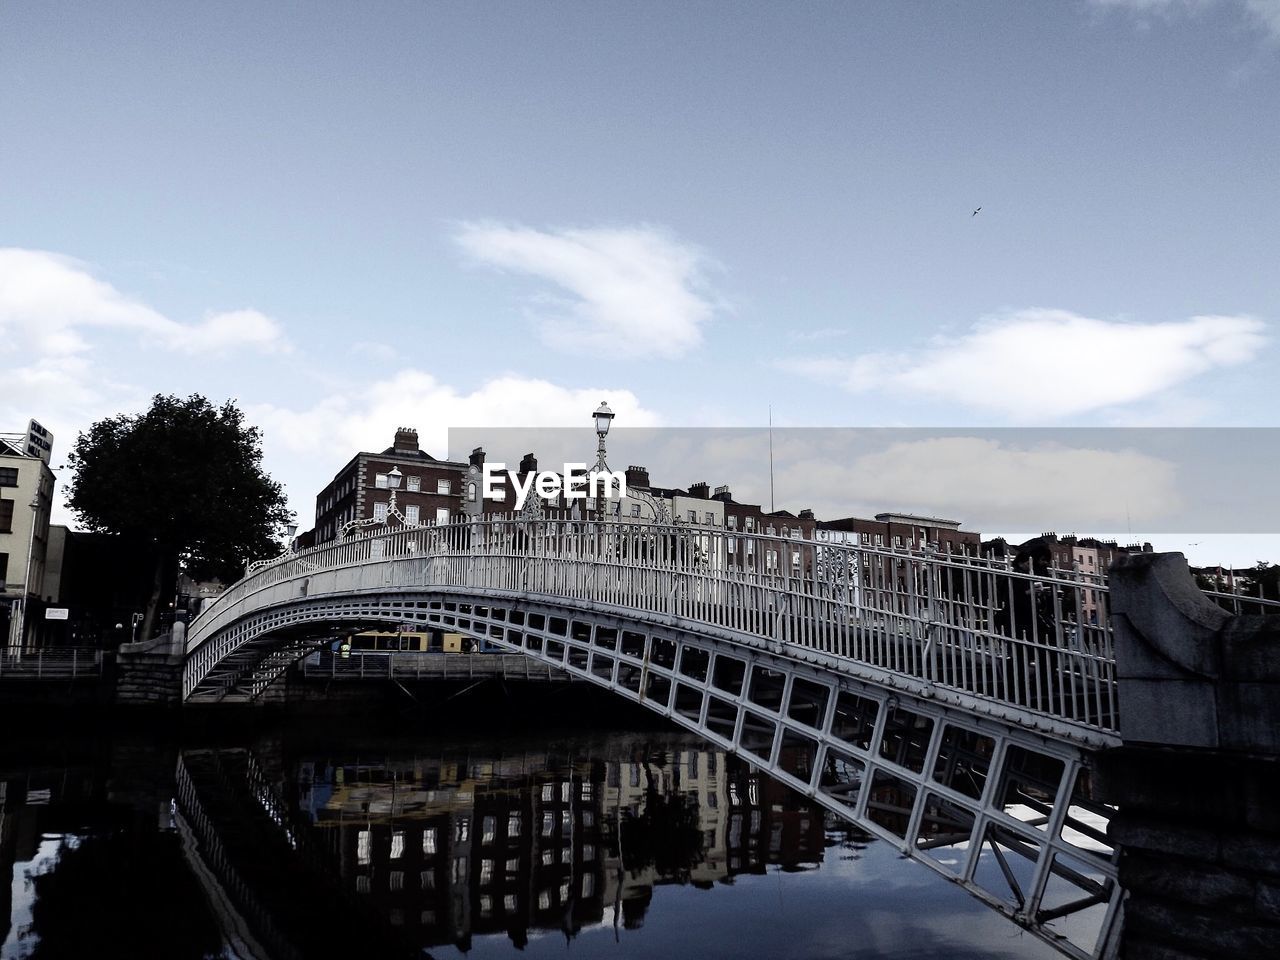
[{"x": 1197, "y": 778}]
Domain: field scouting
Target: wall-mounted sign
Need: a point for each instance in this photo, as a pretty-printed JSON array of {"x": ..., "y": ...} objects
[
  {"x": 39, "y": 442},
  {"x": 56, "y": 613}
]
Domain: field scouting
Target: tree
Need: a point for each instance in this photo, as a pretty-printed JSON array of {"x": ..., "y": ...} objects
[{"x": 184, "y": 481}]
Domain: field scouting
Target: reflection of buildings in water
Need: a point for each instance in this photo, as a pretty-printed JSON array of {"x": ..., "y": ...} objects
[{"x": 454, "y": 848}]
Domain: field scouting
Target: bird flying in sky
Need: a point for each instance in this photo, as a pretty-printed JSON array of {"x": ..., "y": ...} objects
[{"x": 975, "y": 212}]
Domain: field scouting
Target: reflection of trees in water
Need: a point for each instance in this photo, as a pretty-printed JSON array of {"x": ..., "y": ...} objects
[
  {"x": 666, "y": 835},
  {"x": 122, "y": 893}
]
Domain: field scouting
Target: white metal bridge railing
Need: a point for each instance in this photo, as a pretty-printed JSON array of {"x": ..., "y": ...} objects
[{"x": 1039, "y": 641}]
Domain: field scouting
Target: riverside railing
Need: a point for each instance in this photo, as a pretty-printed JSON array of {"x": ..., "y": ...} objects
[
  {"x": 53, "y": 663},
  {"x": 1040, "y": 641}
]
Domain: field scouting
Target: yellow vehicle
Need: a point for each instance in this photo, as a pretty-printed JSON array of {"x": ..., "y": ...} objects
[{"x": 383, "y": 641}]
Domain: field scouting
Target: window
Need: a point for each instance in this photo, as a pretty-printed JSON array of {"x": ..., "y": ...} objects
[
  {"x": 6, "y": 516},
  {"x": 442, "y": 514},
  {"x": 733, "y": 523},
  {"x": 693, "y": 516},
  {"x": 471, "y": 491},
  {"x": 362, "y": 848},
  {"x": 444, "y": 486},
  {"x": 879, "y": 540},
  {"x": 635, "y": 509},
  {"x": 732, "y": 543},
  {"x": 462, "y": 832},
  {"x": 711, "y": 517},
  {"x": 395, "y": 880},
  {"x": 513, "y": 825},
  {"x": 8, "y": 476},
  {"x": 411, "y": 513},
  {"x": 4, "y": 567},
  {"x": 488, "y": 829},
  {"x": 380, "y": 481},
  {"x": 866, "y": 538},
  {"x": 413, "y": 483},
  {"x": 397, "y": 844},
  {"x": 751, "y": 524},
  {"x": 380, "y": 511}
]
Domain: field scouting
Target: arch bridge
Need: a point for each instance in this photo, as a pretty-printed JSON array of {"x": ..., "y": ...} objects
[{"x": 949, "y": 705}]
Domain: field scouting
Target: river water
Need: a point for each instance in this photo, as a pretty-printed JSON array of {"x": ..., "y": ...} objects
[{"x": 423, "y": 837}]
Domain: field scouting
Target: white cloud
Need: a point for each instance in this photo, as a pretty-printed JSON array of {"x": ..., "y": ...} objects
[
  {"x": 305, "y": 447},
  {"x": 635, "y": 291},
  {"x": 221, "y": 332},
  {"x": 1051, "y": 363},
  {"x": 990, "y": 484},
  {"x": 51, "y": 304},
  {"x": 1264, "y": 14}
]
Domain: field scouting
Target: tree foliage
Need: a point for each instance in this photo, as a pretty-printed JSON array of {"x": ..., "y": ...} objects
[{"x": 185, "y": 478}]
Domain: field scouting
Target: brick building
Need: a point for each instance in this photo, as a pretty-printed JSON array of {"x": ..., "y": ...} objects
[
  {"x": 431, "y": 490},
  {"x": 901, "y": 531}
]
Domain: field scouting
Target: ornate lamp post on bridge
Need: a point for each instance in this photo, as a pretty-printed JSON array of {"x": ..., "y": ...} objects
[{"x": 603, "y": 418}]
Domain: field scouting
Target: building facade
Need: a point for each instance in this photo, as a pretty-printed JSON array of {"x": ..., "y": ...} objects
[
  {"x": 26, "y": 498},
  {"x": 430, "y": 490}
]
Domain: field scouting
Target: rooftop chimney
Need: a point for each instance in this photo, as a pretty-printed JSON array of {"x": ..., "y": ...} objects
[
  {"x": 477, "y": 457},
  {"x": 806, "y": 514},
  {"x": 528, "y": 463},
  {"x": 638, "y": 477},
  {"x": 406, "y": 440},
  {"x": 700, "y": 490},
  {"x": 722, "y": 493}
]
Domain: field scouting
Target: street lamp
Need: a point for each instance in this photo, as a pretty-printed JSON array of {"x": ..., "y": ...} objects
[
  {"x": 393, "y": 484},
  {"x": 603, "y": 417}
]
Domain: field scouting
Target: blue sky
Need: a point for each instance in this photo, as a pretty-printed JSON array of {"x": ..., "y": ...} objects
[{"x": 352, "y": 217}]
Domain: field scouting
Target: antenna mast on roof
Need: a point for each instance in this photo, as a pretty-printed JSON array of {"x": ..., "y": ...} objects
[{"x": 771, "y": 505}]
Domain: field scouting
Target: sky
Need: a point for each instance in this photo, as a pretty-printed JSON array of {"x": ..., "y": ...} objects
[{"x": 352, "y": 217}]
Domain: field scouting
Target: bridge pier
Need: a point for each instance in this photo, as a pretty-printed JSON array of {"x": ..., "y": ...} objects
[
  {"x": 149, "y": 673},
  {"x": 1197, "y": 778}
]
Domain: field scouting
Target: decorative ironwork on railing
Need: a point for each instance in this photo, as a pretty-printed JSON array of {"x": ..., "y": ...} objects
[{"x": 1035, "y": 641}]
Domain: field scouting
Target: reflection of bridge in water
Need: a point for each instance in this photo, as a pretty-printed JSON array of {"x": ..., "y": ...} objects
[{"x": 949, "y": 705}]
